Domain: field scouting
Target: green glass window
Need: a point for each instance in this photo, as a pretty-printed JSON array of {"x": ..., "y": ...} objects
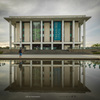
[{"x": 36, "y": 31}]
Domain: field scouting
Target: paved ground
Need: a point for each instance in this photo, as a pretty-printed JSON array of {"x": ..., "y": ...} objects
[{"x": 49, "y": 56}]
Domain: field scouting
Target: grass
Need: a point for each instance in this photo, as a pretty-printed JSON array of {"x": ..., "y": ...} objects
[
  {"x": 96, "y": 52},
  {"x": 1, "y": 52}
]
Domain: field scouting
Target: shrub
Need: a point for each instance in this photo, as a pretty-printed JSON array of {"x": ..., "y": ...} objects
[
  {"x": 96, "y": 52},
  {"x": 1, "y": 52}
]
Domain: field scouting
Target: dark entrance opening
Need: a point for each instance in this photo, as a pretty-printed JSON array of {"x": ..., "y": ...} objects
[
  {"x": 57, "y": 46},
  {"x": 36, "y": 46},
  {"x": 46, "y": 46}
]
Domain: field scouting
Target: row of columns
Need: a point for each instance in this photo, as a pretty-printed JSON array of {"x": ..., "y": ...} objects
[
  {"x": 73, "y": 74},
  {"x": 73, "y": 36}
]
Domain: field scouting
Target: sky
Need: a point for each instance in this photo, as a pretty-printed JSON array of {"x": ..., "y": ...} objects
[{"x": 51, "y": 7}]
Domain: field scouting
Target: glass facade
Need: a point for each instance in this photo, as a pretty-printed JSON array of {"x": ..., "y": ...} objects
[{"x": 36, "y": 31}]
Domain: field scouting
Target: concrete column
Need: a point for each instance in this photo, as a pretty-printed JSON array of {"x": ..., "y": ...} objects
[
  {"x": 10, "y": 72},
  {"x": 73, "y": 31},
  {"x": 14, "y": 34},
  {"x": 83, "y": 74},
  {"x": 62, "y": 34},
  {"x": 79, "y": 32},
  {"x": 73, "y": 73},
  {"x": 41, "y": 34},
  {"x": 20, "y": 34},
  {"x": 10, "y": 35},
  {"x": 41, "y": 73},
  {"x": 20, "y": 78},
  {"x": 52, "y": 35},
  {"x": 62, "y": 74},
  {"x": 30, "y": 73},
  {"x": 84, "y": 34},
  {"x": 80, "y": 73},
  {"x": 31, "y": 35},
  {"x": 52, "y": 73}
]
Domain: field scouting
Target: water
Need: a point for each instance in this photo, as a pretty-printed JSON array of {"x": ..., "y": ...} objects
[{"x": 49, "y": 79}]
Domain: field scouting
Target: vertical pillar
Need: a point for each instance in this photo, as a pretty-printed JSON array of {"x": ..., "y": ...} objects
[
  {"x": 20, "y": 78},
  {"x": 20, "y": 34},
  {"x": 84, "y": 74},
  {"x": 10, "y": 35},
  {"x": 73, "y": 31},
  {"x": 80, "y": 72},
  {"x": 62, "y": 74},
  {"x": 31, "y": 35},
  {"x": 80, "y": 33},
  {"x": 41, "y": 73},
  {"x": 52, "y": 73},
  {"x": 10, "y": 72},
  {"x": 73, "y": 74},
  {"x": 41, "y": 34},
  {"x": 14, "y": 34},
  {"x": 52, "y": 35},
  {"x": 84, "y": 34},
  {"x": 62, "y": 34},
  {"x": 30, "y": 73}
]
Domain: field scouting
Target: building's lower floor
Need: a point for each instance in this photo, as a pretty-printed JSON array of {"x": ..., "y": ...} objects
[{"x": 47, "y": 46}]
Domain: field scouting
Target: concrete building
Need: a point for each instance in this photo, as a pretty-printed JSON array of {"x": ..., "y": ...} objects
[
  {"x": 48, "y": 32},
  {"x": 47, "y": 75}
]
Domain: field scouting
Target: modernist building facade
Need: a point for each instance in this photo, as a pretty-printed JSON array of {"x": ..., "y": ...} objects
[
  {"x": 48, "y": 32},
  {"x": 47, "y": 75}
]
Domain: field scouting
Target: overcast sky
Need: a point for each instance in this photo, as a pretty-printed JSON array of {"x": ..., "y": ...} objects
[{"x": 51, "y": 7}]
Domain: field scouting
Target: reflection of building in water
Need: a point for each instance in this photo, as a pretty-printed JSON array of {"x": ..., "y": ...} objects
[{"x": 66, "y": 76}]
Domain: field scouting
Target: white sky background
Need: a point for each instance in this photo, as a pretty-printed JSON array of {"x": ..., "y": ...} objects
[{"x": 52, "y": 7}]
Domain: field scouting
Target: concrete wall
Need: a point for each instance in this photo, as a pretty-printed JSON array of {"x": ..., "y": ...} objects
[
  {"x": 27, "y": 32},
  {"x": 26, "y": 76},
  {"x": 67, "y": 76},
  {"x": 17, "y": 32},
  {"x": 18, "y": 76},
  {"x": 76, "y": 76},
  {"x": 67, "y": 32},
  {"x": 46, "y": 76},
  {"x": 27, "y": 47},
  {"x": 76, "y": 32},
  {"x": 66, "y": 47},
  {"x": 46, "y": 32}
]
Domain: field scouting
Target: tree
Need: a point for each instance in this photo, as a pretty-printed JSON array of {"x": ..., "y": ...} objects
[{"x": 96, "y": 45}]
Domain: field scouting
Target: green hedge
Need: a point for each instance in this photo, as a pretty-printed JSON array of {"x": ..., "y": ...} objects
[
  {"x": 96, "y": 52},
  {"x": 1, "y": 52}
]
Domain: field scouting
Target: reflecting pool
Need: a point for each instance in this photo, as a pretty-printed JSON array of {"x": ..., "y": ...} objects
[{"x": 49, "y": 79}]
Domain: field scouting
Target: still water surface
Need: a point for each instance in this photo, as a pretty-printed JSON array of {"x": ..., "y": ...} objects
[{"x": 49, "y": 79}]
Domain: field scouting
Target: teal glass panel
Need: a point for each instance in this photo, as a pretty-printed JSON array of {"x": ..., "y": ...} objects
[
  {"x": 57, "y": 30},
  {"x": 50, "y": 35}
]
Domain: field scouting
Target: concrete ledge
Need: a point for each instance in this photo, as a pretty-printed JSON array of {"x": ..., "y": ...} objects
[{"x": 49, "y": 56}]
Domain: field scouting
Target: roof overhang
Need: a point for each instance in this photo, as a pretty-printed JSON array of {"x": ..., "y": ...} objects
[{"x": 79, "y": 18}]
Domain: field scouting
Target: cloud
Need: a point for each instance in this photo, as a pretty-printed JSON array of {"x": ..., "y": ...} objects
[{"x": 50, "y": 7}]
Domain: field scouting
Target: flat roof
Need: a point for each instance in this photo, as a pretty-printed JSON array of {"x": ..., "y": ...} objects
[{"x": 79, "y": 18}]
